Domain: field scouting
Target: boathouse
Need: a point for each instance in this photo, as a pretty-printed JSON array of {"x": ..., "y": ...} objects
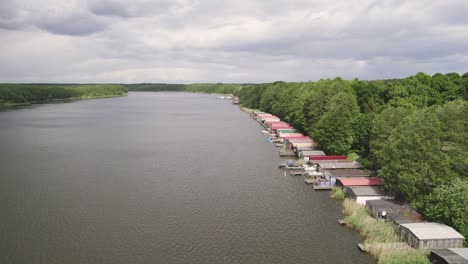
[
  {"x": 351, "y": 173},
  {"x": 394, "y": 212},
  {"x": 359, "y": 181},
  {"x": 332, "y": 157},
  {"x": 309, "y": 153},
  {"x": 327, "y": 165},
  {"x": 430, "y": 235},
  {"x": 361, "y": 194},
  {"x": 449, "y": 256}
]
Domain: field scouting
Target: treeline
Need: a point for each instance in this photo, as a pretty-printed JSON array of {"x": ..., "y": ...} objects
[
  {"x": 220, "y": 88},
  {"x": 12, "y": 94},
  {"x": 411, "y": 132},
  {"x": 155, "y": 87}
]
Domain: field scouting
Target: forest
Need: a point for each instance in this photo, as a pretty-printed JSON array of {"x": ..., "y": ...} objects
[
  {"x": 218, "y": 88},
  {"x": 412, "y": 132},
  {"x": 17, "y": 94}
]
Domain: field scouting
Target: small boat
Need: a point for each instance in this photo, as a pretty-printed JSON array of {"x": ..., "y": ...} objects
[
  {"x": 288, "y": 164},
  {"x": 279, "y": 144},
  {"x": 264, "y": 132}
]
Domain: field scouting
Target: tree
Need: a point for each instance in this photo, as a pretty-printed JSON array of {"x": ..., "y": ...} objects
[
  {"x": 382, "y": 127},
  {"x": 334, "y": 131},
  {"x": 413, "y": 162},
  {"x": 448, "y": 204}
]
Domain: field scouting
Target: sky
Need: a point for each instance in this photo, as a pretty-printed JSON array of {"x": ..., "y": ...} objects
[{"x": 192, "y": 41}]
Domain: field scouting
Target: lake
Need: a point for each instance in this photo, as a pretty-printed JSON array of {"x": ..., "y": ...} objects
[{"x": 156, "y": 178}]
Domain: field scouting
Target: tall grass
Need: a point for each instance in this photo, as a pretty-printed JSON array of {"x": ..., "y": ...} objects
[
  {"x": 382, "y": 240},
  {"x": 337, "y": 194}
]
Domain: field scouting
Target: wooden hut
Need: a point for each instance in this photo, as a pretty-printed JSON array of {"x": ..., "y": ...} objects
[
  {"x": 327, "y": 165},
  {"x": 361, "y": 194},
  {"x": 309, "y": 153},
  {"x": 359, "y": 181},
  {"x": 449, "y": 256},
  {"x": 430, "y": 235},
  {"x": 396, "y": 213},
  {"x": 330, "y": 157},
  {"x": 350, "y": 173}
]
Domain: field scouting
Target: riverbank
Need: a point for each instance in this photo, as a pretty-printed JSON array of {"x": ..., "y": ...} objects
[
  {"x": 381, "y": 238},
  {"x": 385, "y": 239},
  {"x": 12, "y": 95}
]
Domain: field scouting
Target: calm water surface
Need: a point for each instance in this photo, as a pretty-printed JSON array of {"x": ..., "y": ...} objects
[{"x": 156, "y": 178}]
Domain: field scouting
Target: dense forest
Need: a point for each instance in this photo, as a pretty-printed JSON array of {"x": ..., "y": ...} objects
[
  {"x": 218, "y": 88},
  {"x": 14, "y": 94},
  {"x": 411, "y": 132}
]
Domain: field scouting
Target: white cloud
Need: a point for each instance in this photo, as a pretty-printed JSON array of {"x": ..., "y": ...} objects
[{"x": 228, "y": 41}]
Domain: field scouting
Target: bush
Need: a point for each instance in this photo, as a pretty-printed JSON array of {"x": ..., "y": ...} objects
[{"x": 337, "y": 194}]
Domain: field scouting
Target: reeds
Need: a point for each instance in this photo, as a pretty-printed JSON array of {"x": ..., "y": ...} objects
[
  {"x": 337, "y": 194},
  {"x": 382, "y": 240}
]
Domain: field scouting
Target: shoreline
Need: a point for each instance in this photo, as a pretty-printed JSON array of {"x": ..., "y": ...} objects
[{"x": 6, "y": 105}]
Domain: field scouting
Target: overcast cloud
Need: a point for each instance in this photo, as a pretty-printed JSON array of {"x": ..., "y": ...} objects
[{"x": 185, "y": 41}]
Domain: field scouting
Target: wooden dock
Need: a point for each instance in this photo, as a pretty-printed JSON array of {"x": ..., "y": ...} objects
[
  {"x": 296, "y": 172},
  {"x": 309, "y": 181},
  {"x": 365, "y": 247}
]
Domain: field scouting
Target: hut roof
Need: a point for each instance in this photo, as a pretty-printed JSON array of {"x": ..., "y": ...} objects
[
  {"x": 367, "y": 190},
  {"x": 297, "y": 140},
  {"x": 428, "y": 231},
  {"x": 451, "y": 255},
  {"x": 308, "y": 153},
  {"x": 360, "y": 181},
  {"x": 339, "y": 165},
  {"x": 348, "y": 173},
  {"x": 399, "y": 213},
  {"x": 333, "y": 157}
]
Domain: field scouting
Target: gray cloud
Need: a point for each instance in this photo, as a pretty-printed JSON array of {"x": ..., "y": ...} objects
[
  {"x": 229, "y": 41},
  {"x": 71, "y": 24}
]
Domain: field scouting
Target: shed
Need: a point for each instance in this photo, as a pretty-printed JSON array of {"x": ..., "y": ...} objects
[
  {"x": 304, "y": 148},
  {"x": 285, "y": 130},
  {"x": 292, "y": 135},
  {"x": 339, "y": 165},
  {"x": 396, "y": 212},
  {"x": 332, "y": 157},
  {"x": 347, "y": 173},
  {"x": 359, "y": 181},
  {"x": 430, "y": 235},
  {"x": 449, "y": 256},
  {"x": 308, "y": 153},
  {"x": 365, "y": 193}
]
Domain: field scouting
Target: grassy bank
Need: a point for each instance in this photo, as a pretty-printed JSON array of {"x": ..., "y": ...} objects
[
  {"x": 24, "y": 94},
  {"x": 381, "y": 238}
]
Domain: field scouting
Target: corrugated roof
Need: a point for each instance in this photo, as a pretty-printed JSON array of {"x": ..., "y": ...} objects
[
  {"x": 297, "y": 140},
  {"x": 360, "y": 181},
  {"x": 307, "y": 153},
  {"x": 450, "y": 255},
  {"x": 333, "y": 157},
  {"x": 463, "y": 252},
  {"x": 339, "y": 165},
  {"x": 428, "y": 230},
  {"x": 399, "y": 213},
  {"x": 348, "y": 173},
  {"x": 367, "y": 190}
]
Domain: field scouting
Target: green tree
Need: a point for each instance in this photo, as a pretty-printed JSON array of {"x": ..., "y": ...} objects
[
  {"x": 413, "y": 162},
  {"x": 448, "y": 204},
  {"x": 334, "y": 131}
]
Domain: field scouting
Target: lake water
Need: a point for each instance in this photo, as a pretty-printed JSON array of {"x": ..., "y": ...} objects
[{"x": 156, "y": 178}]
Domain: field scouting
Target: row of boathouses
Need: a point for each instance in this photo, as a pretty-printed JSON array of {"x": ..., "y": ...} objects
[{"x": 327, "y": 171}]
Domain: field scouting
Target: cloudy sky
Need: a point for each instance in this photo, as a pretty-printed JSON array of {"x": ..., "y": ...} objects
[{"x": 185, "y": 41}]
